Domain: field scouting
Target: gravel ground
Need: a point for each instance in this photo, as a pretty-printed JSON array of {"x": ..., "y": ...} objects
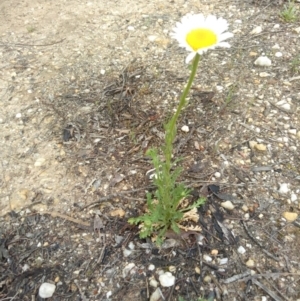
[{"x": 85, "y": 89}]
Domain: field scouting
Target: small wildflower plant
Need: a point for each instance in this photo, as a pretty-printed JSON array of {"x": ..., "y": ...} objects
[
  {"x": 197, "y": 34},
  {"x": 290, "y": 12}
]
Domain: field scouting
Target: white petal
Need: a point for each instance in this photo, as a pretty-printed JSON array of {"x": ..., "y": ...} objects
[
  {"x": 190, "y": 57},
  {"x": 225, "y": 36},
  {"x": 224, "y": 44}
]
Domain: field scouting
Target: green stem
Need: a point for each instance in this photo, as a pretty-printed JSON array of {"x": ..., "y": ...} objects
[{"x": 171, "y": 125}]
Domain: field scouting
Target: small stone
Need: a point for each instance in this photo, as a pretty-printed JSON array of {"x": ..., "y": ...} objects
[
  {"x": 263, "y": 61},
  {"x": 223, "y": 261},
  {"x": 261, "y": 147},
  {"x": 252, "y": 144},
  {"x": 227, "y": 205},
  {"x": 217, "y": 174},
  {"x": 127, "y": 252},
  {"x": 293, "y": 197},
  {"x": 131, "y": 246},
  {"x": 214, "y": 252},
  {"x": 19, "y": 115},
  {"x": 102, "y": 71},
  {"x": 245, "y": 208},
  {"x": 292, "y": 131},
  {"x": 151, "y": 267},
  {"x": 207, "y": 258},
  {"x": 108, "y": 294},
  {"x": 264, "y": 74},
  {"x": 156, "y": 295},
  {"x": 130, "y": 28},
  {"x": 46, "y": 290},
  {"x": 241, "y": 250},
  {"x": 278, "y": 54},
  {"x": 172, "y": 268},
  {"x": 128, "y": 268},
  {"x": 298, "y": 134},
  {"x": 250, "y": 263},
  {"x": 290, "y": 216},
  {"x": 297, "y": 30},
  {"x": 256, "y": 30},
  {"x": 40, "y": 162},
  {"x": 167, "y": 279},
  {"x": 117, "y": 212},
  {"x": 152, "y": 38},
  {"x": 286, "y": 106},
  {"x": 283, "y": 188},
  {"x": 185, "y": 129},
  {"x": 197, "y": 270},
  {"x": 276, "y": 26},
  {"x": 207, "y": 279},
  {"x": 153, "y": 282}
]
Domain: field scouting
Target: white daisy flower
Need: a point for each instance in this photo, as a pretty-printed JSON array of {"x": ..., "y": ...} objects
[{"x": 197, "y": 33}]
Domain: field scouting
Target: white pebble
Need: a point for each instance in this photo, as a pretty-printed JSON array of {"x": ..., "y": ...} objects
[
  {"x": 156, "y": 295},
  {"x": 153, "y": 282},
  {"x": 250, "y": 263},
  {"x": 127, "y": 252},
  {"x": 283, "y": 188},
  {"x": 19, "y": 115},
  {"x": 217, "y": 174},
  {"x": 185, "y": 129},
  {"x": 241, "y": 250},
  {"x": 129, "y": 267},
  {"x": 245, "y": 208},
  {"x": 131, "y": 246},
  {"x": 152, "y": 38},
  {"x": 293, "y": 197},
  {"x": 276, "y": 26},
  {"x": 46, "y": 290},
  {"x": 278, "y": 54},
  {"x": 263, "y": 61},
  {"x": 227, "y": 205},
  {"x": 286, "y": 106},
  {"x": 264, "y": 74},
  {"x": 108, "y": 294},
  {"x": 223, "y": 261},
  {"x": 131, "y": 28},
  {"x": 207, "y": 258},
  {"x": 256, "y": 30},
  {"x": 102, "y": 71},
  {"x": 167, "y": 279},
  {"x": 292, "y": 131},
  {"x": 40, "y": 162},
  {"x": 151, "y": 267}
]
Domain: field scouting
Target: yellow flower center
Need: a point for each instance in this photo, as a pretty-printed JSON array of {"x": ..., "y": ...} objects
[{"x": 201, "y": 38}]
